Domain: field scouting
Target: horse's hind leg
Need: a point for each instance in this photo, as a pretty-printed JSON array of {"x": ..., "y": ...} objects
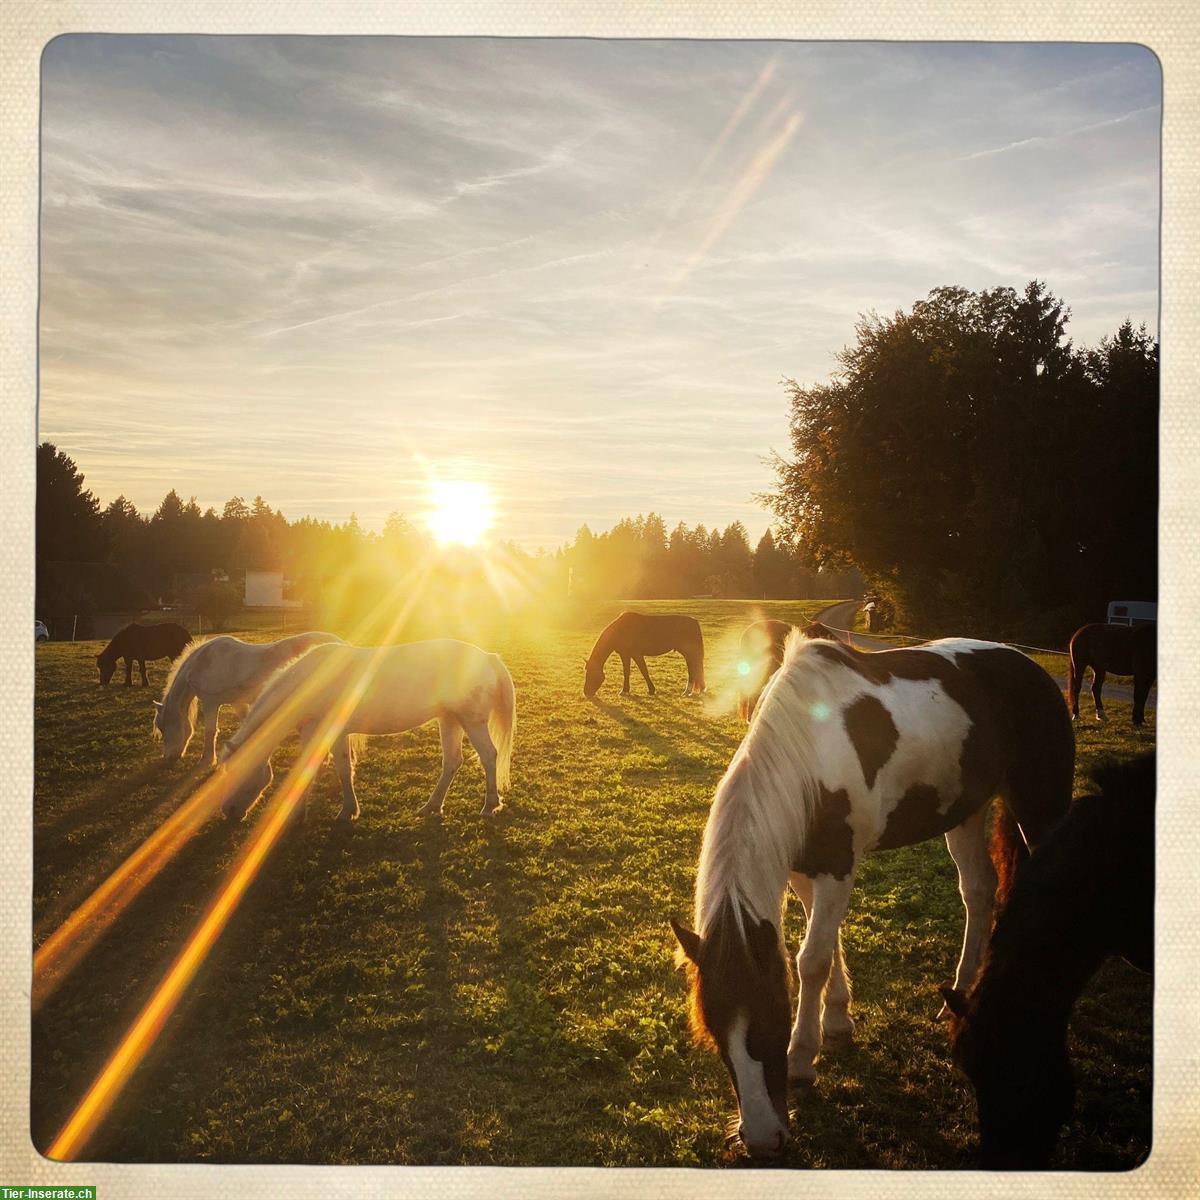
[
  {"x": 142, "y": 668},
  {"x": 452, "y": 756},
  {"x": 625, "y": 668},
  {"x": 641, "y": 666},
  {"x": 1098, "y": 677},
  {"x": 1141, "y": 691},
  {"x": 815, "y": 964},
  {"x": 968, "y": 847},
  {"x": 129, "y": 672},
  {"x": 343, "y": 764},
  {"x": 836, "y": 1023},
  {"x": 477, "y": 731}
]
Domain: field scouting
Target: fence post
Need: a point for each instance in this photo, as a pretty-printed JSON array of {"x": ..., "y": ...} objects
[{"x": 74, "y": 623}]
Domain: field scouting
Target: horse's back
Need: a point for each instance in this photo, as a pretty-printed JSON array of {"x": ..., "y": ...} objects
[{"x": 655, "y": 633}]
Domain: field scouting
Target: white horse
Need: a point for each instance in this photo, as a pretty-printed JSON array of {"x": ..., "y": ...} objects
[
  {"x": 221, "y": 670},
  {"x": 383, "y": 690},
  {"x": 849, "y": 752}
]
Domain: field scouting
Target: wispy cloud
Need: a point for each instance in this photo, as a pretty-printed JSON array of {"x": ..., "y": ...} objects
[{"x": 305, "y": 267}]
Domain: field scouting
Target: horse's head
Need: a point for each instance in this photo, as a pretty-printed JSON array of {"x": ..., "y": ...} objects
[
  {"x": 174, "y": 727},
  {"x": 741, "y": 1005},
  {"x": 593, "y": 676},
  {"x": 242, "y": 782},
  {"x": 1024, "y": 1087},
  {"x": 107, "y": 667}
]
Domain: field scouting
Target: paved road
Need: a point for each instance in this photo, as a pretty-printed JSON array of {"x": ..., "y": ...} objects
[{"x": 841, "y": 617}]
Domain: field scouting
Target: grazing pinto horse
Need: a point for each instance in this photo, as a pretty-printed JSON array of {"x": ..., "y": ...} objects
[
  {"x": 634, "y": 636},
  {"x": 1086, "y": 893},
  {"x": 380, "y": 689},
  {"x": 1121, "y": 649},
  {"x": 760, "y": 655},
  {"x": 222, "y": 670},
  {"x": 139, "y": 643},
  {"x": 849, "y": 752}
]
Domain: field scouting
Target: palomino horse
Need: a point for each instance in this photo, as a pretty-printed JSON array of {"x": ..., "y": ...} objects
[
  {"x": 1121, "y": 649},
  {"x": 850, "y": 752},
  {"x": 760, "y": 655},
  {"x": 221, "y": 670},
  {"x": 384, "y": 689},
  {"x": 140, "y": 643},
  {"x": 634, "y": 635},
  {"x": 1087, "y": 893}
]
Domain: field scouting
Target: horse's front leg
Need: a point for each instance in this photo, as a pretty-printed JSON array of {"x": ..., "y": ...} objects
[
  {"x": 968, "y": 846},
  {"x": 128, "y": 672},
  {"x": 814, "y": 963},
  {"x": 452, "y": 756},
  {"x": 209, "y": 717},
  {"x": 477, "y": 731},
  {"x": 641, "y": 666},
  {"x": 1141, "y": 692},
  {"x": 837, "y": 1025},
  {"x": 142, "y": 668},
  {"x": 343, "y": 764},
  {"x": 1098, "y": 677},
  {"x": 625, "y": 669}
]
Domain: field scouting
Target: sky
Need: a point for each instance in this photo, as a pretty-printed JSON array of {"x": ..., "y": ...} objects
[{"x": 331, "y": 270}]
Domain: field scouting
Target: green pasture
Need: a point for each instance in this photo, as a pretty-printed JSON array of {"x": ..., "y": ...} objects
[{"x": 499, "y": 992}]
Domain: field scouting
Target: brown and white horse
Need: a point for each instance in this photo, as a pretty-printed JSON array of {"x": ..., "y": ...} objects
[{"x": 850, "y": 752}]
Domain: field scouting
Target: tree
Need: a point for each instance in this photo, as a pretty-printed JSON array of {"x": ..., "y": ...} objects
[
  {"x": 68, "y": 525},
  {"x": 924, "y": 460}
]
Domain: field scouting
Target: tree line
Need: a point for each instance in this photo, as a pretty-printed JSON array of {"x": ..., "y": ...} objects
[
  {"x": 93, "y": 558},
  {"x": 981, "y": 470}
]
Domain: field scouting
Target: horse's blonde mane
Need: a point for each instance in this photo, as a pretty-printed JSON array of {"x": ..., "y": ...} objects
[
  {"x": 764, "y": 804},
  {"x": 177, "y": 667}
]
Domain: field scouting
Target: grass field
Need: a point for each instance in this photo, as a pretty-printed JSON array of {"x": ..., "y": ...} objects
[{"x": 499, "y": 992}]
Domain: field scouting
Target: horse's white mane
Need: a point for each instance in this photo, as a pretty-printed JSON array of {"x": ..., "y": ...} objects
[
  {"x": 273, "y": 692},
  {"x": 764, "y": 804}
]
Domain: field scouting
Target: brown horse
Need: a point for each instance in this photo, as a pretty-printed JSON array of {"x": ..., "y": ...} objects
[
  {"x": 1121, "y": 649},
  {"x": 760, "y": 654},
  {"x": 139, "y": 643},
  {"x": 1087, "y": 892},
  {"x": 634, "y": 636}
]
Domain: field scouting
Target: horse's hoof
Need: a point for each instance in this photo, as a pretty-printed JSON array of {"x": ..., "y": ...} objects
[
  {"x": 491, "y": 811},
  {"x": 429, "y": 810},
  {"x": 803, "y": 1079},
  {"x": 838, "y": 1037},
  {"x": 345, "y": 818},
  {"x": 1101, "y": 718}
]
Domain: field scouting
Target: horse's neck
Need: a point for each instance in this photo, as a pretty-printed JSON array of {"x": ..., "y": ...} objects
[
  {"x": 181, "y": 691},
  {"x": 747, "y": 853},
  {"x": 603, "y": 647},
  {"x": 1042, "y": 966}
]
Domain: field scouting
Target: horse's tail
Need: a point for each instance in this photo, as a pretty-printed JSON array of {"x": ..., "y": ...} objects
[
  {"x": 502, "y": 721},
  {"x": 1007, "y": 849},
  {"x": 1074, "y": 670}
]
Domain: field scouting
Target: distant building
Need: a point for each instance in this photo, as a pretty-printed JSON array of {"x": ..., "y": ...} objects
[
  {"x": 1132, "y": 612},
  {"x": 264, "y": 589}
]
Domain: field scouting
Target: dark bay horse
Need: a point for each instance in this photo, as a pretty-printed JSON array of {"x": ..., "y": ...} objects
[
  {"x": 851, "y": 752},
  {"x": 634, "y": 636},
  {"x": 141, "y": 643},
  {"x": 760, "y": 653},
  {"x": 1087, "y": 892},
  {"x": 1121, "y": 649}
]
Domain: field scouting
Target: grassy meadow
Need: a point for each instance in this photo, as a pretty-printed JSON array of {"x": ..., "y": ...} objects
[{"x": 499, "y": 992}]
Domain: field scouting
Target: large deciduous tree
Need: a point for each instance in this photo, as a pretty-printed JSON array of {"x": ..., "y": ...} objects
[{"x": 977, "y": 466}]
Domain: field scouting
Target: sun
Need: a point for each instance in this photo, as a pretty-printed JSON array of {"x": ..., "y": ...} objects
[{"x": 460, "y": 511}]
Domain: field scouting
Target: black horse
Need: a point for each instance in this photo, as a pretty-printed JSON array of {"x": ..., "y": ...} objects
[
  {"x": 634, "y": 635},
  {"x": 1085, "y": 893},
  {"x": 138, "y": 643},
  {"x": 1121, "y": 649}
]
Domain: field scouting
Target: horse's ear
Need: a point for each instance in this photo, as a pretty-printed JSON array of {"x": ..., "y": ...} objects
[
  {"x": 688, "y": 939},
  {"x": 956, "y": 1002}
]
